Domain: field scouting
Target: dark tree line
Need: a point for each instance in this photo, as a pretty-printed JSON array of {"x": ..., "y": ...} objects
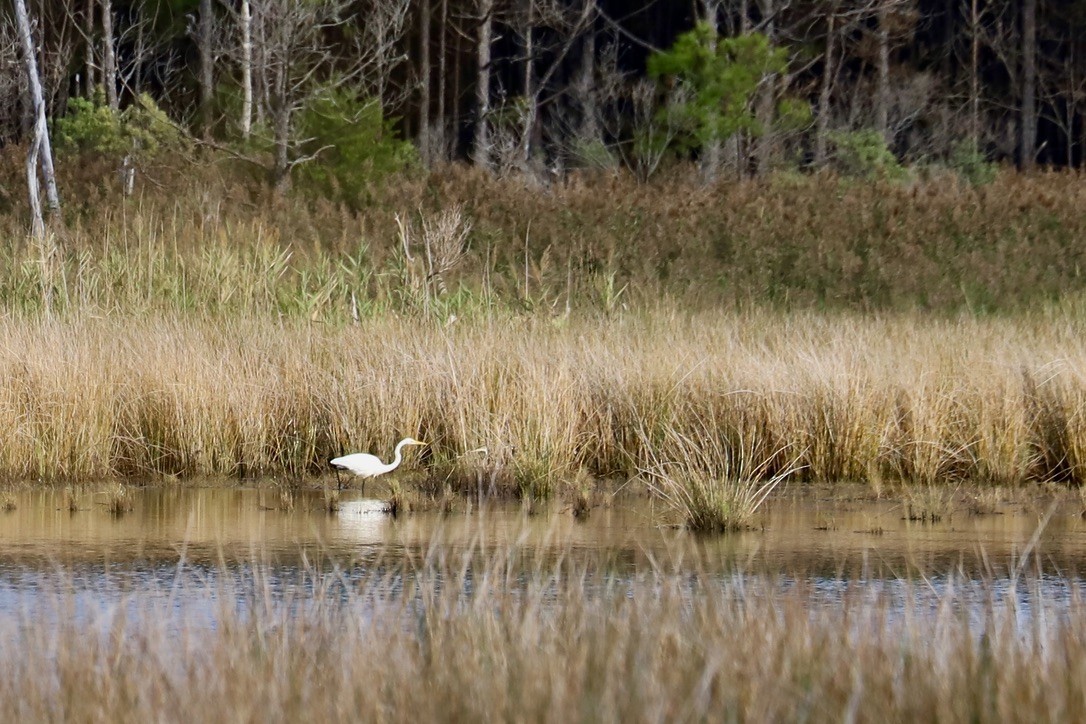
[{"x": 540, "y": 86}]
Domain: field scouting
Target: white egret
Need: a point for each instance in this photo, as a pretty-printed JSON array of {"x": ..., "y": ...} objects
[{"x": 368, "y": 466}]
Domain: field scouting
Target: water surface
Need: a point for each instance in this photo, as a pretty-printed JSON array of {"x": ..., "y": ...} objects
[
  {"x": 176, "y": 544},
  {"x": 217, "y": 523}
]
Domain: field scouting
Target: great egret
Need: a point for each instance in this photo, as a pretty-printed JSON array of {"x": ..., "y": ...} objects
[{"x": 368, "y": 466}]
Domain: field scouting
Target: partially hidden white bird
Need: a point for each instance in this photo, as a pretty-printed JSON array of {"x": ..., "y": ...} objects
[{"x": 368, "y": 466}]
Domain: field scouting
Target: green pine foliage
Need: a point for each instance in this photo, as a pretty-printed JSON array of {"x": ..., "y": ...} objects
[
  {"x": 865, "y": 154},
  {"x": 353, "y": 145},
  {"x": 719, "y": 77},
  {"x": 91, "y": 126},
  {"x": 972, "y": 165}
]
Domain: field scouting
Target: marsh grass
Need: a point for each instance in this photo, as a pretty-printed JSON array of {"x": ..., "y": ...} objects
[
  {"x": 929, "y": 502},
  {"x": 495, "y": 640},
  {"x": 216, "y": 243},
  {"x": 987, "y": 501},
  {"x": 811, "y": 397},
  {"x": 275, "y": 334},
  {"x": 117, "y": 498},
  {"x": 330, "y": 499},
  {"x": 715, "y": 484}
]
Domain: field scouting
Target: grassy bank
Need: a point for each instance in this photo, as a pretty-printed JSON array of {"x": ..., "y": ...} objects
[
  {"x": 804, "y": 328},
  {"x": 204, "y": 238},
  {"x": 444, "y": 641},
  {"x": 836, "y": 397}
]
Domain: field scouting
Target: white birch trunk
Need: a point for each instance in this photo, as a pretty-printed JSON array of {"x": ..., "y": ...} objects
[
  {"x": 41, "y": 152},
  {"x": 531, "y": 109},
  {"x": 109, "y": 59}
]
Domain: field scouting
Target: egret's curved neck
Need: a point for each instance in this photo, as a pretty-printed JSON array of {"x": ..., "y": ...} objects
[{"x": 398, "y": 457}]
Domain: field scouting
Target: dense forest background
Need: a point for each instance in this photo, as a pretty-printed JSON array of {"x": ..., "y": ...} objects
[{"x": 323, "y": 89}]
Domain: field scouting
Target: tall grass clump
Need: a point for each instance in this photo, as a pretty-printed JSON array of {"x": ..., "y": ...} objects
[
  {"x": 117, "y": 499},
  {"x": 713, "y": 483}
]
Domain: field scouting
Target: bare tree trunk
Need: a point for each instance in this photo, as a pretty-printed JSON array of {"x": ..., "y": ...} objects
[
  {"x": 137, "y": 81},
  {"x": 531, "y": 102},
  {"x": 442, "y": 62},
  {"x": 589, "y": 131},
  {"x": 482, "y": 150},
  {"x": 39, "y": 154},
  {"x": 764, "y": 111},
  {"x": 282, "y": 112},
  {"x": 712, "y": 158},
  {"x": 261, "y": 82},
  {"x": 822, "y": 126},
  {"x": 974, "y": 76},
  {"x": 1029, "y": 83},
  {"x": 736, "y": 149},
  {"x": 37, "y": 223},
  {"x": 246, "y": 70},
  {"x": 882, "y": 93},
  {"x": 454, "y": 122},
  {"x": 207, "y": 71},
  {"x": 109, "y": 61},
  {"x": 90, "y": 82},
  {"x": 424, "y": 72},
  {"x": 1071, "y": 110}
]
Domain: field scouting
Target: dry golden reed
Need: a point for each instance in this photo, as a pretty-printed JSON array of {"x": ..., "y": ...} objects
[{"x": 838, "y": 397}]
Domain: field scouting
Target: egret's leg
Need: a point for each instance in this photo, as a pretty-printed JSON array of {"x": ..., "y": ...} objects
[{"x": 339, "y": 485}]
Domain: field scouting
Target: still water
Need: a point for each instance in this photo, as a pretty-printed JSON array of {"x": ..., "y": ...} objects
[{"x": 178, "y": 543}]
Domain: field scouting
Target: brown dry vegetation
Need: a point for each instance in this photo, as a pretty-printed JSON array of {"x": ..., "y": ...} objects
[
  {"x": 597, "y": 329},
  {"x": 449, "y": 641},
  {"x": 598, "y": 326},
  {"x": 198, "y": 239},
  {"x": 842, "y": 397}
]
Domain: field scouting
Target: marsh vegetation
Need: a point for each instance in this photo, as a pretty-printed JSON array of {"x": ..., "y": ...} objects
[
  {"x": 671, "y": 293},
  {"x": 508, "y": 632},
  {"x": 575, "y": 340},
  {"x": 754, "y": 395}
]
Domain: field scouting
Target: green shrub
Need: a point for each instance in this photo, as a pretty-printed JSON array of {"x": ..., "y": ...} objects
[
  {"x": 593, "y": 154},
  {"x": 971, "y": 164},
  {"x": 353, "y": 145},
  {"x": 149, "y": 130},
  {"x": 864, "y": 154},
  {"x": 721, "y": 75},
  {"x": 91, "y": 126}
]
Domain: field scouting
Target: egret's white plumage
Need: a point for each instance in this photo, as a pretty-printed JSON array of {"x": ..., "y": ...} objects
[{"x": 365, "y": 465}]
